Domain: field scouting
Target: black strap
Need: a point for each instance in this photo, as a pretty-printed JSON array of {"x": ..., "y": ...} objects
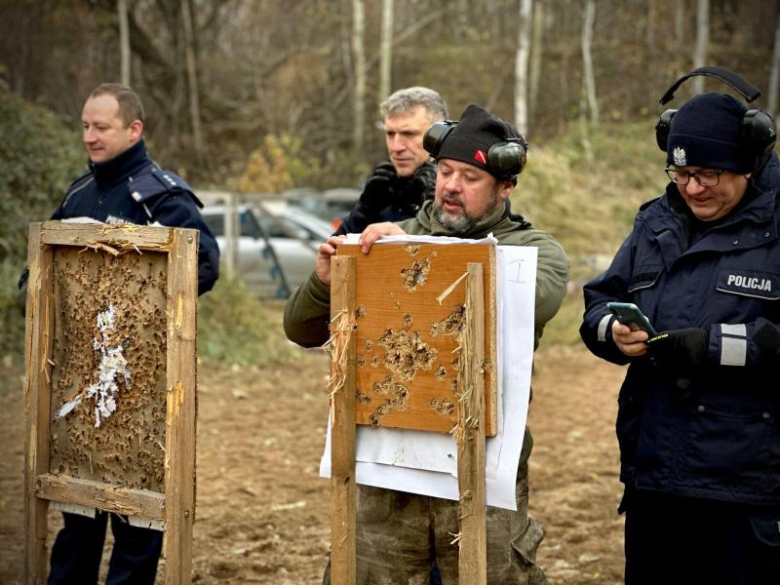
[{"x": 749, "y": 91}]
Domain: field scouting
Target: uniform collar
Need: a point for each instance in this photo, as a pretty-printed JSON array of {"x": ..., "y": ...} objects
[{"x": 120, "y": 167}]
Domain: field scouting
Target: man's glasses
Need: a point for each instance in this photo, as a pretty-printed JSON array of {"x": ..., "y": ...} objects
[{"x": 703, "y": 178}]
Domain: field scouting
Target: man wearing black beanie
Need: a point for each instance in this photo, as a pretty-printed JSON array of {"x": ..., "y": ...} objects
[
  {"x": 399, "y": 535},
  {"x": 698, "y": 411}
]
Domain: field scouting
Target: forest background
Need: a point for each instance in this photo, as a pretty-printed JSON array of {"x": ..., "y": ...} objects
[{"x": 266, "y": 95}]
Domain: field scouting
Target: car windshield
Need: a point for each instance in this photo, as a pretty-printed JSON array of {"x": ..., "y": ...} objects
[{"x": 248, "y": 224}]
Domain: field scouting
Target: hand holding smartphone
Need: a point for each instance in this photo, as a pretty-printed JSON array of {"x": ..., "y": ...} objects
[{"x": 629, "y": 314}]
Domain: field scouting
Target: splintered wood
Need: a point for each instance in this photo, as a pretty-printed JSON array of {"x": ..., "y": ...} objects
[
  {"x": 108, "y": 380},
  {"x": 410, "y": 315}
]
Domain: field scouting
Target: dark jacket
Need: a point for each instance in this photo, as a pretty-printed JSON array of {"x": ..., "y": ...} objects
[
  {"x": 132, "y": 188},
  {"x": 714, "y": 432},
  {"x": 388, "y": 197}
]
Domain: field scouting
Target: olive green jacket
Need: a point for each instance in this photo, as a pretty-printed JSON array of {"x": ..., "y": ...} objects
[{"x": 307, "y": 312}]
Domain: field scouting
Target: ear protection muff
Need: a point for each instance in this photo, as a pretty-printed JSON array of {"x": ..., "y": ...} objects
[
  {"x": 506, "y": 158},
  {"x": 435, "y": 135},
  {"x": 758, "y": 132}
]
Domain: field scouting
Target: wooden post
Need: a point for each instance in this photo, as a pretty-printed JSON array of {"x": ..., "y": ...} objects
[
  {"x": 472, "y": 565},
  {"x": 232, "y": 234},
  {"x": 37, "y": 393},
  {"x": 342, "y": 453},
  {"x": 181, "y": 406}
]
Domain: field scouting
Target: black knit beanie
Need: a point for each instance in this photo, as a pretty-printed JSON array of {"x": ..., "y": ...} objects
[
  {"x": 705, "y": 132},
  {"x": 476, "y": 131}
]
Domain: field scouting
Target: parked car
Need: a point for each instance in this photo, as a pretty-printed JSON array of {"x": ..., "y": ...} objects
[
  {"x": 332, "y": 205},
  {"x": 276, "y": 252}
]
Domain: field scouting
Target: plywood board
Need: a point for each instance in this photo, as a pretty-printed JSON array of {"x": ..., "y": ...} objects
[
  {"x": 104, "y": 305},
  {"x": 407, "y": 341}
]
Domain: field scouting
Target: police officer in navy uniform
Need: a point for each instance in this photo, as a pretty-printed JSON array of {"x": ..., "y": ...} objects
[
  {"x": 699, "y": 412},
  {"x": 123, "y": 185}
]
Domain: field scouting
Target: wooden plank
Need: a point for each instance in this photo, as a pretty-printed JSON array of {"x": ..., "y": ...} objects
[
  {"x": 105, "y": 496},
  {"x": 407, "y": 360},
  {"x": 182, "y": 405},
  {"x": 106, "y": 303},
  {"x": 471, "y": 441},
  {"x": 342, "y": 454},
  {"x": 38, "y": 344},
  {"x": 115, "y": 236}
]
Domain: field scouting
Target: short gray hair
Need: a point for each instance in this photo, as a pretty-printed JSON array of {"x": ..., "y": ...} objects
[{"x": 405, "y": 100}]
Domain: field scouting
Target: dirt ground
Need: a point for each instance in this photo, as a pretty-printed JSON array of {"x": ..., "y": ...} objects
[{"x": 262, "y": 510}]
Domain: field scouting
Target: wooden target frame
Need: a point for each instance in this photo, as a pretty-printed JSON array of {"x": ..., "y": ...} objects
[
  {"x": 474, "y": 412},
  {"x": 63, "y": 469}
]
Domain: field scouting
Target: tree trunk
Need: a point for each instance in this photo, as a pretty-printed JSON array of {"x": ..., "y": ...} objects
[
  {"x": 124, "y": 42},
  {"x": 679, "y": 21},
  {"x": 702, "y": 41},
  {"x": 192, "y": 77},
  {"x": 774, "y": 73},
  {"x": 650, "y": 30},
  {"x": 358, "y": 50},
  {"x": 386, "y": 50},
  {"x": 537, "y": 45},
  {"x": 524, "y": 31},
  {"x": 587, "y": 61}
]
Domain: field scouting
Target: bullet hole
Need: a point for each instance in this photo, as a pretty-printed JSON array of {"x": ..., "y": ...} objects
[
  {"x": 453, "y": 323},
  {"x": 416, "y": 274},
  {"x": 443, "y": 407},
  {"x": 406, "y": 352}
]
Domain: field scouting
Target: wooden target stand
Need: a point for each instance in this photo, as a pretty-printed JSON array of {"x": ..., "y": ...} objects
[
  {"x": 140, "y": 461},
  {"x": 471, "y": 423}
]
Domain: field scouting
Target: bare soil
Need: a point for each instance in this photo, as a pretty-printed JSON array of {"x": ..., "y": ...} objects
[{"x": 262, "y": 514}]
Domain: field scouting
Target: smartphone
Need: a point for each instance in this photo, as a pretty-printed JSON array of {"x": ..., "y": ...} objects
[{"x": 629, "y": 314}]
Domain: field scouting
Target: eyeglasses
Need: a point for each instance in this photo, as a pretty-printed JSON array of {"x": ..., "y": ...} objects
[{"x": 703, "y": 178}]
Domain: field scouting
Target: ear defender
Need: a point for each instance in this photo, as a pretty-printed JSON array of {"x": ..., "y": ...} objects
[
  {"x": 506, "y": 159},
  {"x": 663, "y": 127},
  {"x": 758, "y": 133},
  {"x": 435, "y": 135}
]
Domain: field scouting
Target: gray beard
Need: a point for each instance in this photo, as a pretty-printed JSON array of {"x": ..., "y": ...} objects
[
  {"x": 462, "y": 224},
  {"x": 457, "y": 224}
]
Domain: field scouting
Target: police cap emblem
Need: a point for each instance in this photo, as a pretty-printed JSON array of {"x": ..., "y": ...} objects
[{"x": 680, "y": 158}]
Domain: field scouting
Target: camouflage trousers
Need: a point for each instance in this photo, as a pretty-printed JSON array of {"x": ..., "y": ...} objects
[{"x": 400, "y": 535}]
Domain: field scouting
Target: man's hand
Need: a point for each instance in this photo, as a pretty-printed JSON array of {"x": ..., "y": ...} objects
[
  {"x": 375, "y": 231},
  {"x": 630, "y": 342},
  {"x": 324, "y": 254}
]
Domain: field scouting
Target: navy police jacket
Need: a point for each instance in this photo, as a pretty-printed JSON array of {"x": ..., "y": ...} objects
[
  {"x": 131, "y": 188},
  {"x": 713, "y": 433}
]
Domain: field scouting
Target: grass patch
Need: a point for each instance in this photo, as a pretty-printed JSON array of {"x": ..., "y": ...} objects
[
  {"x": 235, "y": 328},
  {"x": 564, "y": 329}
]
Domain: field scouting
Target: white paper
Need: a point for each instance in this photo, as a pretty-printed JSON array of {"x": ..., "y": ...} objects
[{"x": 426, "y": 462}]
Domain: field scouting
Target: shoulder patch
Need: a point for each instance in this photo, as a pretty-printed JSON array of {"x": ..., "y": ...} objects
[{"x": 156, "y": 183}]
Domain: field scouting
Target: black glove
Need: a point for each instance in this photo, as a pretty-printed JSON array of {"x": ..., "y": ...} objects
[
  {"x": 683, "y": 350},
  {"x": 422, "y": 185},
  {"x": 379, "y": 189}
]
